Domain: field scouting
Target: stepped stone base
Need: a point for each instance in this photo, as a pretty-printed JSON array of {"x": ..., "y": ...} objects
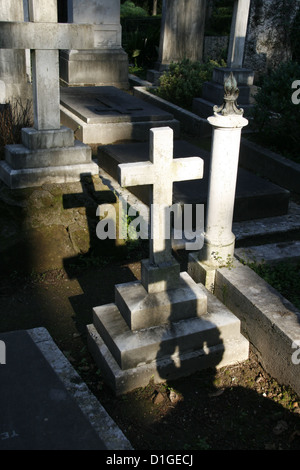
[
  {"x": 51, "y": 156},
  {"x": 208, "y": 335}
]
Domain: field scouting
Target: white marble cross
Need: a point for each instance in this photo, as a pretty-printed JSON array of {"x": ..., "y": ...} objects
[
  {"x": 44, "y": 36},
  {"x": 160, "y": 172}
]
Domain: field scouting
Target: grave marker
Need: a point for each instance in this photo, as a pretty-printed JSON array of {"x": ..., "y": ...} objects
[
  {"x": 48, "y": 150},
  {"x": 105, "y": 62},
  {"x": 14, "y": 82},
  {"x": 165, "y": 326}
]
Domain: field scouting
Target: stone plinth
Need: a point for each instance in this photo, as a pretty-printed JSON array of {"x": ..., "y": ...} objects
[
  {"x": 104, "y": 64},
  {"x": 130, "y": 358},
  {"x": 46, "y": 157}
]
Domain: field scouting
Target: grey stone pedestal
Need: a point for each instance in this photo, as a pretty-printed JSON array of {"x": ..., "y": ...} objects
[
  {"x": 47, "y": 156},
  {"x": 195, "y": 331}
]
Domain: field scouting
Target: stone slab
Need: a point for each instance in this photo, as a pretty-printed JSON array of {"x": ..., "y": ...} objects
[
  {"x": 20, "y": 158},
  {"x": 167, "y": 368},
  {"x": 119, "y": 115},
  {"x": 44, "y": 405},
  {"x": 34, "y": 139},
  {"x": 270, "y": 253},
  {"x": 255, "y": 197},
  {"x": 30, "y": 177},
  {"x": 29, "y": 35},
  {"x": 96, "y": 105},
  {"x": 143, "y": 310},
  {"x": 133, "y": 348}
]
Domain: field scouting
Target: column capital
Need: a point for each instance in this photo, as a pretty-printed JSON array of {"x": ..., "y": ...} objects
[{"x": 232, "y": 121}]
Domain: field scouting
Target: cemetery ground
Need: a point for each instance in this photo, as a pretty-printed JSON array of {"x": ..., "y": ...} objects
[{"x": 51, "y": 284}]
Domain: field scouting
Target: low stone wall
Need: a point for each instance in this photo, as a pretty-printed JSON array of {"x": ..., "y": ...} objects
[
  {"x": 189, "y": 122},
  {"x": 278, "y": 169},
  {"x": 269, "y": 321}
]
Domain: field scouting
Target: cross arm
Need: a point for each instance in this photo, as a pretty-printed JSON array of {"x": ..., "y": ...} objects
[
  {"x": 190, "y": 168},
  {"x": 136, "y": 174},
  {"x": 45, "y": 36}
]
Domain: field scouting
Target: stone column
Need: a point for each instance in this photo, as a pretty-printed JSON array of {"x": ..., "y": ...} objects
[
  {"x": 14, "y": 82},
  {"x": 107, "y": 63},
  {"x": 219, "y": 241}
]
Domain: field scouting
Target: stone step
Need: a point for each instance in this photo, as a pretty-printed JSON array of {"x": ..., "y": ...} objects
[
  {"x": 131, "y": 348},
  {"x": 255, "y": 197},
  {"x": 128, "y": 359},
  {"x": 270, "y": 253}
]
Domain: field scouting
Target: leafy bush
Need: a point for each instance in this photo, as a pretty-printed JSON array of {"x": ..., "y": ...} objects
[
  {"x": 128, "y": 9},
  {"x": 183, "y": 81},
  {"x": 219, "y": 23},
  {"x": 275, "y": 117}
]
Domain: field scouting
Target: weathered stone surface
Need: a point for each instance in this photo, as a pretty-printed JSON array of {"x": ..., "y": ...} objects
[
  {"x": 143, "y": 310},
  {"x": 267, "y": 319}
]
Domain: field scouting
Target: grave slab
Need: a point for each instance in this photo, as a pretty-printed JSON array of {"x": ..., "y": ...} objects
[
  {"x": 43, "y": 403},
  {"x": 255, "y": 197},
  {"x": 104, "y": 115}
]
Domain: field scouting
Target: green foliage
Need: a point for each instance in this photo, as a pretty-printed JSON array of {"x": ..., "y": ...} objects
[
  {"x": 140, "y": 40},
  {"x": 219, "y": 22},
  {"x": 128, "y": 9},
  {"x": 295, "y": 37},
  {"x": 184, "y": 80},
  {"x": 284, "y": 277},
  {"x": 275, "y": 117}
]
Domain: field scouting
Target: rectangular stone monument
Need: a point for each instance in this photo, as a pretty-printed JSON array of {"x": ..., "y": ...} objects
[
  {"x": 48, "y": 152},
  {"x": 106, "y": 63},
  {"x": 105, "y": 115},
  {"x": 165, "y": 326},
  {"x": 182, "y": 34},
  {"x": 212, "y": 91},
  {"x": 14, "y": 81}
]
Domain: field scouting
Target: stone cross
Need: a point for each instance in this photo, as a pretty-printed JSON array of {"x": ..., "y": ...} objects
[
  {"x": 160, "y": 172},
  {"x": 44, "y": 36},
  {"x": 238, "y": 33}
]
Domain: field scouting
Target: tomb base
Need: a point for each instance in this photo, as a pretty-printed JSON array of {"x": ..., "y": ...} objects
[
  {"x": 106, "y": 115},
  {"x": 94, "y": 68},
  {"x": 48, "y": 156},
  {"x": 198, "y": 334}
]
